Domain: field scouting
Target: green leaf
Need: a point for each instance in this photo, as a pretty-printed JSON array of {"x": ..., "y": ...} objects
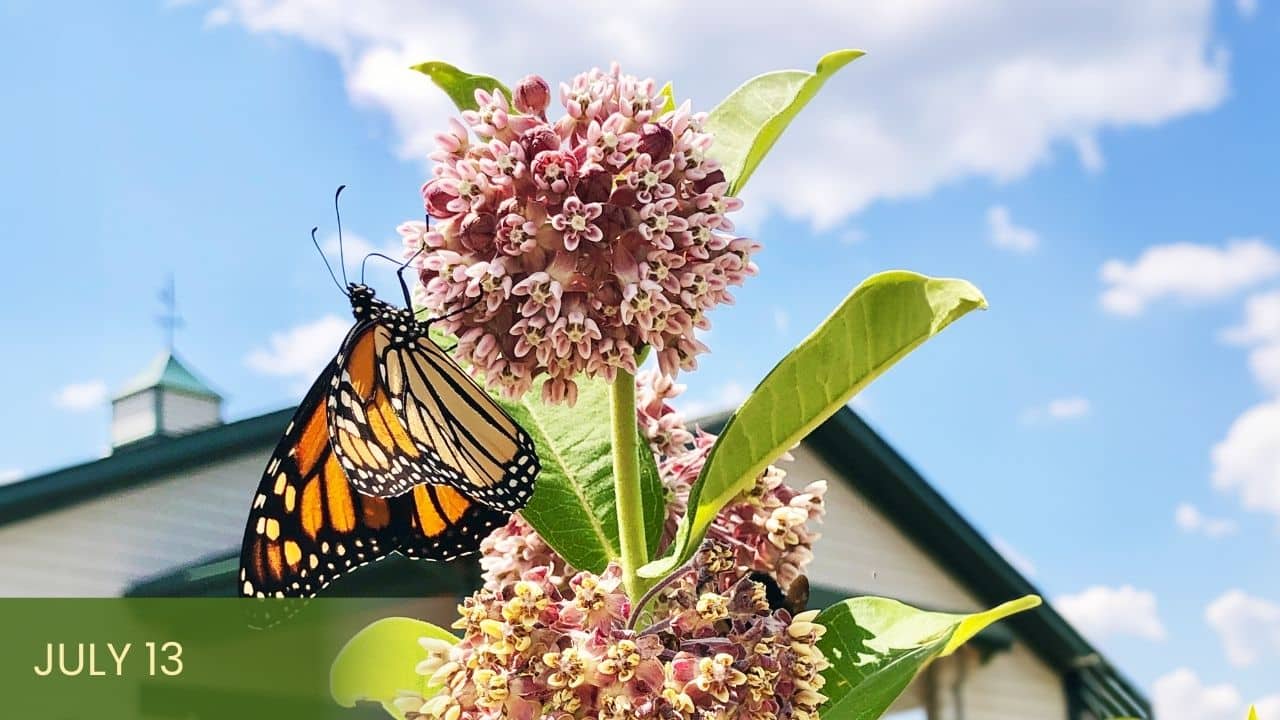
[
  {"x": 883, "y": 319},
  {"x": 876, "y": 647},
  {"x": 572, "y": 506},
  {"x": 378, "y": 662},
  {"x": 460, "y": 86},
  {"x": 748, "y": 122},
  {"x": 668, "y": 99}
]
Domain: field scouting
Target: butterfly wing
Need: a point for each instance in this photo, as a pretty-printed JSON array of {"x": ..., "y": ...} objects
[
  {"x": 404, "y": 414},
  {"x": 369, "y": 438},
  {"x": 468, "y": 439},
  {"x": 308, "y": 526},
  {"x": 444, "y": 523}
]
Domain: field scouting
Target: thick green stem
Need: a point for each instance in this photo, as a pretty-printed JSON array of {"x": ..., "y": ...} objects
[{"x": 626, "y": 481}]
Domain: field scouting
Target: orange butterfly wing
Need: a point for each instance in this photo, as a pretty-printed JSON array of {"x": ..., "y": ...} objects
[
  {"x": 307, "y": 524},
  {"x": 403, "y": 413}
]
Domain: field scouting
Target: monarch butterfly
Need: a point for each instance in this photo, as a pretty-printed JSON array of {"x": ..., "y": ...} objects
[{"x": 394, "y": 449}]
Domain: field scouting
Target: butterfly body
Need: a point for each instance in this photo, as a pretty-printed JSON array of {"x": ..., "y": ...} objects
[{"x": 394, "y": 449}]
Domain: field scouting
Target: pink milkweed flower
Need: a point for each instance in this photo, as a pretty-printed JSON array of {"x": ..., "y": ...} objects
[
  {"x": 648, "y": 179},
  {"x": 555, "y": 170},
  {"x": 543, "y": 647},
  {"x": 613, "y": 211},
  {"x": 575, "y": 222}
]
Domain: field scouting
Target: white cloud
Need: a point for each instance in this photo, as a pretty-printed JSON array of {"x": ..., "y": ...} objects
[
  {"x": 1189, "y": 519},
  {"x": 1020, "y": 562},
  {"x": 81, "y": 396},
  {"x": 300, "y": 352},
  {"x": 1064, "y": 408},
  {"x": 852, "y": 236},
  {"x": 1069, "y": 407},
  {"x": 1247, "y": 8},
  {"x": 1261, "y": 330},
  {"x": 1180, "y": 695},
  {"x": 1004, "y": 234},
  {"x": 1101, "y": 612},
  {"x": 1247, "y": 460},
  {"x": 1264, "y": 362},
  {"x": 781, "y": 320},
  {"x": 8, "y": 475},
  {"x": 355, "y": 248},
  {"x": 898, "y": 123},
  {"x": 1187, "y": 272},
  {"x": 1248, "y": 626},
  {"x": 1090, "y": 154}
]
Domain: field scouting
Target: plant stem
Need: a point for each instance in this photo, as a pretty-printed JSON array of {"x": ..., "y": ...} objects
[{"x": 626, "y": 480}]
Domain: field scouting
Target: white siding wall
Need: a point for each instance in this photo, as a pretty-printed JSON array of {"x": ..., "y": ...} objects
[
  {"x": 862, "y": 552},
  {"x": 184, "y": 413},
  {"x": 100, "y": 547},
  {"x": 133, "y": 417},
  {"x": 1014, "y": 684}
]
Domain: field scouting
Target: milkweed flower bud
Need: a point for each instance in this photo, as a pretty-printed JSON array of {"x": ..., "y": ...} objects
[
  {"x": 533, "y": 95},
  {"x": 655, "y": 141}
]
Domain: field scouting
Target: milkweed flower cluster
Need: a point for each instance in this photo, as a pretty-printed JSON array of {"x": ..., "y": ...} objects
[
  {"x": 539, "y": 650},
  {"x": 565, "y": 247},
  {"x": 770, "y": 528}
]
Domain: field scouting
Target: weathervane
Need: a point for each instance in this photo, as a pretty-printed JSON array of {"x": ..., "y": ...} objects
[{"x": 169, "y": 320}]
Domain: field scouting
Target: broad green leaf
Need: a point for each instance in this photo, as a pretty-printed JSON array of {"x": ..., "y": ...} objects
[
  {"x": 572, "y": 507},
  {"x": 378, "y": 662},
  {"x": 748, "y": 122},
  {"x": 460, "y": 86},
  {"x": 883, "y": 319},
  {"x": 876, "y": 647},
  {"x": 668, "y": 99}
]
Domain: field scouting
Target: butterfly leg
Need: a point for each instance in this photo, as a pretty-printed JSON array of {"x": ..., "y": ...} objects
[
  {"x": 456, "y": 311},
  {"x": 404, "y": 286}
]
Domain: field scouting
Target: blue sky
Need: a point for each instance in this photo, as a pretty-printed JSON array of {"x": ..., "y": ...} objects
[{"x": 1023, "y": 149}]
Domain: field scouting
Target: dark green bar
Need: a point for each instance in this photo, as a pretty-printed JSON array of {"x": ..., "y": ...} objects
[{"x": 227, "y": 668}]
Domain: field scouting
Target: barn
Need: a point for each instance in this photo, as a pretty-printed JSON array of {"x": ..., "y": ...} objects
[{"x": 162, "y": 515}]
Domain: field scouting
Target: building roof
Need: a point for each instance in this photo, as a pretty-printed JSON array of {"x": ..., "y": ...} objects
[
  {"x": 137, "y": 465},
  {"x": 167, "y": 372},
  {"x": 845, "y": 441}
]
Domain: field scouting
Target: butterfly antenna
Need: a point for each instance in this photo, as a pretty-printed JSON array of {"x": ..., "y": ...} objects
[
  {"x": 316, "y": 242},
  {"x": 338, "y": 214},
  {"x": 377, "y": 255}
]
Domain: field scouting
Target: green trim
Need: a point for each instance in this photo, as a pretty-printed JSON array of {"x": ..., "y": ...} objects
[{"x": 138, "y": 464}]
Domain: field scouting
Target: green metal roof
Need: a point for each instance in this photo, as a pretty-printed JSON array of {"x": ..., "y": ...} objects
[
  {"x": 138, "y": 465},
  {"x": 167, "y": 372}
]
